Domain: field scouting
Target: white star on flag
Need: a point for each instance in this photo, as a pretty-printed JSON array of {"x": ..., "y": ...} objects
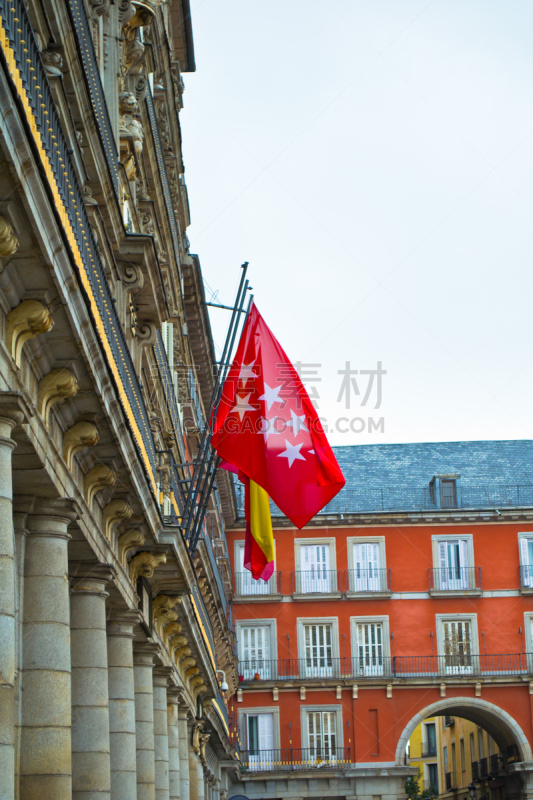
[
  {"x": 268, "y": 427},
  {"x": 246, "y": 374},
  {"x": 242, "y": 405},
  {"x": 292, "y": 453},
  {"x": 271, "y": 396},
  {"x": 297, "y": 423}
]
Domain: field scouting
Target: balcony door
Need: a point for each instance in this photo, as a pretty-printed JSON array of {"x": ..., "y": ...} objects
[
  {"x": 322, "y": 736},
  {"x": 452, "y": 574},
  {"x": 315, "y": 574},
  {"x": 260, "y": 730},
  {"x": 255, "y": 651},
  {"x": 457, "y": 636},
  {"x": 318, "y": 661},
  {"x": 244, "y": 583},
  {"x": 370, "y": 648},
  {"x": 366, "y": 567}
]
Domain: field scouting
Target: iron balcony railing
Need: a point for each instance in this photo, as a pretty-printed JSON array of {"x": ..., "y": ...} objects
[
  {"x": 315, "y": 581},
  {"x": 450, "y": 781},
  {"x": 475, "y": 771},
  {"x": 246, "y": 586},
  {"x": 526, "y": 576},
  {"x": 367, "y": 581},
  {"x": 497, "y": 765},
  {"x": 321, "y": 664},
  {"x": 455, "y": 579},
  {"x": 483, "y": 766},
  {"x": 293, "y": 758},
  {"x": 429, "y": 750}
]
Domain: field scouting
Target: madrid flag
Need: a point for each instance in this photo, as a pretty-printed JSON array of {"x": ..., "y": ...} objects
[{"x": 267, "y": 429}]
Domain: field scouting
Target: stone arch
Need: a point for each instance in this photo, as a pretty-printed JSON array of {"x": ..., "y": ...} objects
[{"x": 497, "y": 722}]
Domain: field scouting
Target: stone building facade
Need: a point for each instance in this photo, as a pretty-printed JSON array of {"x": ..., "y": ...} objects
[{"x": 115, "y": 626}]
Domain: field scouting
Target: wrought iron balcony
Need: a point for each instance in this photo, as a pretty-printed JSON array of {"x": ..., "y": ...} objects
[
  {"x": 428, "y": 750},
  {"x": 475, "y": 771},
  {"x": 497, "y": 765},
  {"x": 455, "y": 579},
  {"x": 483, "y": 768},
  {"x": 526, "y": 577},
  {"x": 315, "y": 581},
  {"x": 291, "y": 759},
  {"x": 322, "y": 666},
  {"x": 368, "y": 581},
  {"x": 246, "y": 586},
  {"x": 450, "y": 781}
]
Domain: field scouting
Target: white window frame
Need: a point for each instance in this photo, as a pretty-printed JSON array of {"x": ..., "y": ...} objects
[
  {"x": 243, "y": 723},
  {"x": 335, "y": 709},
  {"x": 528, "y": 629},
  {"x": 465, "y": 583},
  {"x": 472, "y": 618},
  {"x": 526, "y": 578},
  {"x": 300, "y": 623},
  {"x": 354, "y": 622},
  {"x": 380, "y": 541},
  {"x": 262, "y": 590},
  {"x": 266, "y": 623},
  {"x": 333, "y": 592}
]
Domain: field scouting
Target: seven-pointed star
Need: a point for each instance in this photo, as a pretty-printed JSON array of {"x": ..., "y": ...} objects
[
  {"x": 242, "y": 405},
  {"x": 292, "y": 453},
  {"x": 271, "y": 396},
  {"x": 247, "y": 373},
  {"x": 268, "y": 427},
  {"x": 297, "y": 423}
]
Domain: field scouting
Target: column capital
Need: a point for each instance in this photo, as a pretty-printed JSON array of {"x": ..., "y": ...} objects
[
  {"x": 61, "y": 510},
  {"x": 90, "y": 577},
  {"x": 14, "y": 409},
  {"x": 145, "y": 653},
  {"x": 162, "y": 675},
  {"x": 122, "y": 621}
]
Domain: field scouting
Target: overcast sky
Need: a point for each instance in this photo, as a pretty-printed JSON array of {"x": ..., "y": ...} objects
[{"x": 373, "y": 161}]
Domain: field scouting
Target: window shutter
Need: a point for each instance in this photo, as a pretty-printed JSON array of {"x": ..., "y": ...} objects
[
  {"x": 526, "y": 566},
  {"x": 167, "y": 333},
  {"x": 463, "y": 563},
  {"x": 442, "y": 582},
  {"x": 265, "y": 727}
]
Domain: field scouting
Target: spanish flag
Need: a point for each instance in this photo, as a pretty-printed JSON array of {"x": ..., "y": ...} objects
[{"x": 267, "y": 430}]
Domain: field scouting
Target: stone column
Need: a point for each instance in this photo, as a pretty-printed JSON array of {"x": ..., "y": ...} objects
[
  {"x": 122, "y": 740},
  {"x": 12, "y": 413},
  {"x": 20, "y": 526},
  {"x": 91, "y": 774},
  {"x": 173, "y": 745},
  {"x": 201, "y": 780},
  {"x": 45, "y": 748},
  {"x": 143, "y": 665},
  {"x": 161, "y": 676},
  {"x": 184, "y": 739},
  {"x": 193, "y": 775}
]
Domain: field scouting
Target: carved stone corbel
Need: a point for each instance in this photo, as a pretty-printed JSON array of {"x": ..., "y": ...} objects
[
  {"x": 53, "y": 61},
  {"x": 144, "y": 564},
  {"x": 191, "y": 673},
  {"x": 146, "y": 334},
  {"x": 8, "y": 241},
  {"x": 82, "y": 434},
  {"x": 170, "y": 631},
  {"x": 97, "y": 478},
  {"x": 163, "y": 612},
  {"x": 204, "y": 738},
  {"x": 196, "y": 732},
  {"x": 113, "y": 511},
  {"x": 54, "y": 387},
  {"x": 28, "y": 319},
  {"x": 128, "y": 541},
  {"x": 186, "y": 663},
  {"x": 181, "y": 652}
]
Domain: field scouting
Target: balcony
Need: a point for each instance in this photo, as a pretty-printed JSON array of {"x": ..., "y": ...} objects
[
  {"x": 317, "y": 582},
  {"x": 324, "y": 666},
  {"x": 483, "y": 768},
  {"x": 428, "y": 750},
  {"x": 450, "y": 781},
  {"x": 246, "y": 586},
  {"x": 366, "y": 582},
  {"x": 475, "y": 771},
  {"x": 455, "y": 580},
  {"x": 289, "y": 759},
  {"x": 497, "y": 766},
  {"x": 526, "y": 579}
]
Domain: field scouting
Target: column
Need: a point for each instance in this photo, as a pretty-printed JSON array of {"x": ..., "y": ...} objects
[
  {"x": 45, "y": 748},
  {"x": 193, "y": 775},
  {"x": 173, "y": 745},
  {"x": 122, "y": 740},
  {"x": 11, "y": 414},
  {"x": 143, "y": 665},
  {"x": 91, "y": 775},
  {"x": 20, "y": 525},
  {"x": 161, "y": 676},
  {"x": 184, "y": 738},
  {"x": 201, "y": 780}
]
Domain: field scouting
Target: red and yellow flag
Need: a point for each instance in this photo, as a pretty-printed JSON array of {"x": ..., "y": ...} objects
[{"x": 267, "y": 429}]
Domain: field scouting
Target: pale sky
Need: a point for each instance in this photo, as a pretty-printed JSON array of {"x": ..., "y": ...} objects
[{"x": 373, "y": 161}]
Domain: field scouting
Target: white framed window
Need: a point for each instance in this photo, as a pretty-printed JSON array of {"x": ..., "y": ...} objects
[
  {"x": 318, "y": 643},
  {"x": 257, "y": 645},
  {"x": 322, "y": 734},
  {"x": 315, "y": 567},
  {"x": 525, "y": 544},
  {"x": 370, "y": 645},
  {"x": 260, "y": 731},
  {"x": 245, "y": 584},
  {"x": 366, "y": 564},
  {"x": 453, "y": 560},
  {"x": 457, "y": 642}
]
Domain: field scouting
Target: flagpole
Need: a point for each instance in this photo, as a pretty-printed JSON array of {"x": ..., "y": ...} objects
[{"x": 193, "y": 512}]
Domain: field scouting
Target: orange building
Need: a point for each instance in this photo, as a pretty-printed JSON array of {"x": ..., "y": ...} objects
[{"x": 408, "y": 597}]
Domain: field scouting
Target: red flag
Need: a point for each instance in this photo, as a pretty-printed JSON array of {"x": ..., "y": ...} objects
[{"x": 267, "y": 427}]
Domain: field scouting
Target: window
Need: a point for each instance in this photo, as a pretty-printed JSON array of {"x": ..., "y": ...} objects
[
  {"x": 315, "y": 574},
  {"x": 318, "y": 646},
  {"x": 472, "y": 748},
  {"x": 366, "y": 568},
  {"x": 443, "y": 491},
  {"x": 244, "y": 583},
  {"x": 433, "y": 775},
  {"x": 463, "y": 757},
  {"x": 452, "y": 573},
  {"x": 431, "y": 739},
  {"x": 457, "y": 640},
  {"x": 445, "y": 757},
  {"x": 369, "y": 648},
  {"x": 526, "y": 560},
  {"x": 322, "y": 735},
  {"x": 260, "y": 733},
  {"x": 454, "y": 760},
  {"x": 480, "y": 744},
  {"x": 255, "y": 651}
]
